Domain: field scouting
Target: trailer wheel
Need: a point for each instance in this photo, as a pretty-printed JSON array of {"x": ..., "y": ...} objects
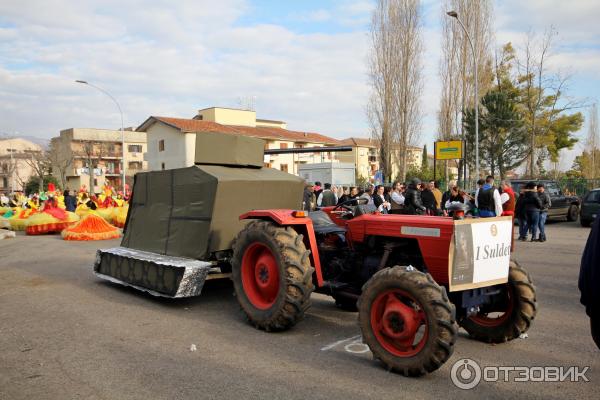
[
  {"x": 272, "y": 275},
  {"x": 407, "y": 321},
  {"x": 512, "y": 316}
]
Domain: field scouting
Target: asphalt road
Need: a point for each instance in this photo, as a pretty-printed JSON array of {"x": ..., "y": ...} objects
[{"x": 64, "y": 334}]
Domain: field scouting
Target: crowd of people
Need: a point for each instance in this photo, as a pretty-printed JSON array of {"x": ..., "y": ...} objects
[
  {"x": 54, "y": 210},
  {"x": 426, "y": 198}
]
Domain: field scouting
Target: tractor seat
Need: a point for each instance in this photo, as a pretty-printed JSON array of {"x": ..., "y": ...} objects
[
  {"x": 362, "y": 209},
  {"x": 323, "y": 224}
]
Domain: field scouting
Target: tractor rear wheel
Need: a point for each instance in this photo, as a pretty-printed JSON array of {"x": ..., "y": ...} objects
[
  {"x": 511, "y": 316},
  {"x": 407, "y": 320},
  {"x": 272, "y": 275}
]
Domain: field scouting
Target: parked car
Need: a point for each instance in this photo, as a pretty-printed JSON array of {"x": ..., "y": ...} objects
[
  {"x": 590, "y": 207},
  {"x": 562, "y": 206}
]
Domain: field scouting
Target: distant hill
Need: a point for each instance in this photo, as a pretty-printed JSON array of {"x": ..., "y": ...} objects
[{"x": 43, "y": 142}]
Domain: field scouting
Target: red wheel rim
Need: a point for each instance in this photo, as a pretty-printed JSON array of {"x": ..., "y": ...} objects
[
  {"x": 485, "y": 319},
  {"x": 399, "y": 323},
  {"x": 260, "y": 276}
]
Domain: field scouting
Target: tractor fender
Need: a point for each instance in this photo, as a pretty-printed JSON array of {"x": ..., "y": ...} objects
[{"x": 301, "y": 224}]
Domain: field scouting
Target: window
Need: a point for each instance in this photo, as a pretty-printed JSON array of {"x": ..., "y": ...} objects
[
  {"x": 283, "y": 167},
  {"x": 95, "y": 182},
  {"x": 283, "y": 145},
  {"x": 593, "y": 197},
  {"x": 552, "y": 189},
  {"x": 200, "y": 117},
  {"x": 135, "y": 148},
  {"x": 111, "y": 148},
  {"x": 163, "y": 166},
  {"x": 135, "y": 165},
  {"x": 4, "y": 182},
  {"x": 161, "y": 145}
]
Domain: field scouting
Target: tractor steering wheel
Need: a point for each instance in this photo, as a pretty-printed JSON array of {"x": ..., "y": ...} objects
[{"x": 345, "y": 206}]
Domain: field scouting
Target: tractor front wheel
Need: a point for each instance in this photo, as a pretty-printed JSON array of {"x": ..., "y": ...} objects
[
  {"x": 509, "y": 317},
  {"x": 272, "y": 275},
  {"x": 407, "y": 320}
]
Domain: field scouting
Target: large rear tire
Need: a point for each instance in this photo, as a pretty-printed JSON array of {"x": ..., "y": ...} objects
[
  {"x": 519, "y": 310},
  {"x": 272, "y": 275},
  {"x": 407, "y": 321}
]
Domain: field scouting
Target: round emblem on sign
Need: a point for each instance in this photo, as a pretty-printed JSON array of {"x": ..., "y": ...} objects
[{"x": 494, "y": 229}]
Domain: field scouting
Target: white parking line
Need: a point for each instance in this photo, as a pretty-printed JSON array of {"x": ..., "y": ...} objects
[{"x": 332, "y": 345}]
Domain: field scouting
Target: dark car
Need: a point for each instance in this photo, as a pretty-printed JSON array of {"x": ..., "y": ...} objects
[
  {"x": 562, "y": 206},
  {"x": 590, "y": 207}
]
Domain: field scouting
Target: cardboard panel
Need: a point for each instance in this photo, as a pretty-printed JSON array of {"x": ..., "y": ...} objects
[
  {"x": 228, "y": 149},
  {"x": 244, "y": 189},
  {"x": 176, "y": 215},
  {"x": 480, "y": 252}
]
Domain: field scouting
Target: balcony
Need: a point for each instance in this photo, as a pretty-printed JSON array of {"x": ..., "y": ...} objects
[{"x": 98, "y": 155}]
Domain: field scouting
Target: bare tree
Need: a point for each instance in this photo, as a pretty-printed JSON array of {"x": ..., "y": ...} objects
[
  {"x": 592, "y": 142},
  {"x": 396, "y": 80},
  {"x": 92, "y": 152},
  {"x": 456, "y": 65},
  {"x": 60, "y": 161},
  {"x": 544, "y": 100},
  {"x": 40, "y": 165}
]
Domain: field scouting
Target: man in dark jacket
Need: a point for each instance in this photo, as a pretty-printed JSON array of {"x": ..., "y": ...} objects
[
  {"x": 589, "y": 280},
  {"x": 309, "y": 199},
  {"x": 528, "y": 206},
  {"x": 428, "y": 199},
  {"x": 546, "y": 203},
  {"x": 70, "y": 201},
  {"x": 412, "y": 198}
]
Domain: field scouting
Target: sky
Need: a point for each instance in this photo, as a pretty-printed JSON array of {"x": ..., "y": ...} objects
[{"x": 303, "y": 62}]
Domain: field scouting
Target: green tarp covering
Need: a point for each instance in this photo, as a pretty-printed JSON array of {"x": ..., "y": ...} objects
[{"x": 194, "y": 212}]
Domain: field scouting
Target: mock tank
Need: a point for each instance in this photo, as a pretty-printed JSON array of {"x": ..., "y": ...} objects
[{"x": 193, "y": 213}]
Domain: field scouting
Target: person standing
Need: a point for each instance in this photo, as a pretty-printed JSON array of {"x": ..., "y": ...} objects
[
  {"x": 589, "y": 280},
  {"x": 383, "y": 206},
  {"x": 446, "y": 195},
  {"x": 345, "y": 195},
  {"x": 318, "y": 189},
  {"x": 4, "y": 200},
  {"x": 487, "y": 199},
  {"x": 70, "y": 201},
  {"x": 546, "y": 204},
  {"x": 327, "y": 197},
  {"x": 434, "y": 186},
  {"x": 412, "y": 198},
  {"x": 508, "y": 199},
  {"x": 428, "y": 198},
  {"x": 397, "y": 199},
  {"x": 530, "y": 205},
  {"x": 368, "y": 194},
  {"x": 309, "y": 200}
]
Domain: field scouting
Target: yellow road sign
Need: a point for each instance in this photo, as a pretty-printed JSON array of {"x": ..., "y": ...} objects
[{"x": 449, "y": 150}]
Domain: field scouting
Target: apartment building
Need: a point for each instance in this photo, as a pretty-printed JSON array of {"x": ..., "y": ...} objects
[
  {"x": 171, "y": 141},
  {"x": 98, "y": 154},
  {"x": 16, "y": 163},
  {"x": 365, "y": 155}
]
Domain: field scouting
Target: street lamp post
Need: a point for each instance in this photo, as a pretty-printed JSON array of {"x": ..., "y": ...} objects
[
  {"x": 122, "y": 130},
  {"x": 454, "y": 14}
]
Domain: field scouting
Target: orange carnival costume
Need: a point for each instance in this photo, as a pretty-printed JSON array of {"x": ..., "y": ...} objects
[
  {"x": 52, "y": 219},
  {"x": 91, "y": 227}
]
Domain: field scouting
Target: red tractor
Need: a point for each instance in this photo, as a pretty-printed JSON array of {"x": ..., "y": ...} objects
[{"x": 410, "y": 277}]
